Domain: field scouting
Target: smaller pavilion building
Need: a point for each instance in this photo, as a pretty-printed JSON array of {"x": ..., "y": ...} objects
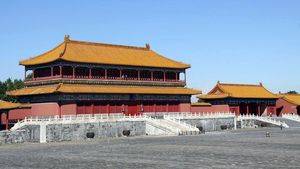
[
  {"x": 5, "y": 108},
  {"x": 288, "y": 104},
  {"x": 242, "y": 98}
]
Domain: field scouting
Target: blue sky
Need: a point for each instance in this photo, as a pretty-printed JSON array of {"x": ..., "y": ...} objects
[{"x": 233, "y": 41}]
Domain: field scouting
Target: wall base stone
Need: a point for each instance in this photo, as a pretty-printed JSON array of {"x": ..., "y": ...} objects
[
  {"x": 71, "y": 132},
  {"x": 211, "y": 124},
  {"x": 79, "y": 131},
  {"x": 26, "y": 134}
]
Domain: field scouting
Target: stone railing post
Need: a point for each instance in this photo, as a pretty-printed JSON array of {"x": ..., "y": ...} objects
[
  {"x": 43, "y": 138},
  {"x": 234, "y": 122}
]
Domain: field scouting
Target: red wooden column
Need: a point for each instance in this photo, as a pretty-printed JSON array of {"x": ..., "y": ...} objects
[
  {"x": 139, "y": 74},
  {"x": 123, "y": 108},
  {"x": 60, "y": 71},
  {"x": 73, "y": 72},
  {"x": 247, "y": 109},
  {"x": 151, "y": 75},
  {"x": 258, "y": 109},
  {"x": 105, "y": 73},
  {"x": 142, "y": 108},
  {"x": 120, "y": 73},
  {"x": 85, "y": 109},
  {"x": 93, "y": 107},
  {"x": 168, "y": 107},
  {"x": 176, "y": 78},
  {"x": 51, "y": 71},
  {"x": 107, "y": 108},
  {"x": 137, "y": 109},
  {"x": 90, "y": 73},
  {"x": 33, "y": 72},
  {"x": 164, "y": 76}
]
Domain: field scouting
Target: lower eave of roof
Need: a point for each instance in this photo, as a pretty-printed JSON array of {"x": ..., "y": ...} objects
[{"x": 101, "y": 89}]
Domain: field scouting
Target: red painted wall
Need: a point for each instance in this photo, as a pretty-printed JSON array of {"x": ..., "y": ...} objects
[
  {"x": 68, "y": 109},
  {"x": 209, "y": 109},
  {"x": 235, "y": 110},
  {"x": 185, "y": 107},
  {"x": 131, "y": 108},
  {"x": 271, "y": 110},
  {"x": 15, "y": 115},
  {"x": 38, "y": 109},
  {"x": 52, "y": 109},
  {"x": 103, "y": 108},
  {"x": 148, "y": 107},
  {"x": 44, "y": 109},
  {"x": 173, "y": 107},
  {"x": 100, "y": 109},
  {"x": 19, "y": 114},
  {"x": 284, "y": 107}
]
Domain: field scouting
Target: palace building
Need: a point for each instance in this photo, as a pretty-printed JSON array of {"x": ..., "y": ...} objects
[
  {"x": 288, "y": 104},
  {"x": 242, "y": 98},
  {"x": 78, "y": 77},
  {"x": 6, "y": 107}
]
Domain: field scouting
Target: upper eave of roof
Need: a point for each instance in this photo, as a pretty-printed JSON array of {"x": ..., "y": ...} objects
[{"x": 91, "y": 52}]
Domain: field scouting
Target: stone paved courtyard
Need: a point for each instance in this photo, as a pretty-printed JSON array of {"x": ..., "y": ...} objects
[{"x": 230, "y": 149}]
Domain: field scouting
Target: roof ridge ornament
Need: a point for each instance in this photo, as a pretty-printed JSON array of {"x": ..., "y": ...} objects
[
  {"x": 67, "y": 38},
  {"x": 148, "y": 46},
  {"x": 58, "y": 86}
]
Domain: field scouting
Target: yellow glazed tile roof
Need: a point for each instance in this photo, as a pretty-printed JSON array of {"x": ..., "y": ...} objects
[
  {"x": 109, "y": 89},
  {"x": 99, "y": 53},
  {"x": 8, "y": 105},
  {"x": 222, "y": 90},
  {"x": 292, "y": 98},
  {"x": 34, "y": 90}
]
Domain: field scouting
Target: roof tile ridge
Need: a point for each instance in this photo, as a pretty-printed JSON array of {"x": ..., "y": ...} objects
[
  {"x": 210, "y": 92},
  {"x": 217, "y": 86},
  {"x": 269, "y": 91},
  {"x": 223, "y": 90},
  {"x": 291, "y": 94},
  {"x": 239, "y": 84},
  {"x": 24, "y": 60},
  {"x": 110, "y": 45},
  {"x": 187, "y": 65},
  {"x": 288, "y": 100},
  {"x": 65, "y": 49}
]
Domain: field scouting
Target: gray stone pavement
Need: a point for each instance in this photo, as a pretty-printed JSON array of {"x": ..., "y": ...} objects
[{"x": 230, "y": 149}]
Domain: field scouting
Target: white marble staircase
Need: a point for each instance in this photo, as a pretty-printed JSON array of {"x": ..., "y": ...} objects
[{"x": 269, "y": 120}]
